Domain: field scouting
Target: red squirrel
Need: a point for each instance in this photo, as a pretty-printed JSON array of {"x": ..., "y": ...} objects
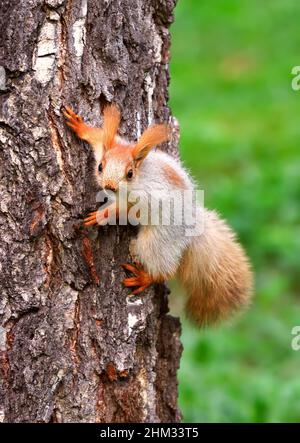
[{"x": 211, "y": 265}]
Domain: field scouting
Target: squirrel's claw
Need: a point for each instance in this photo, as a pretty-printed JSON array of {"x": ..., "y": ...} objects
[
  {"x": 130, "y": 268},
  {"x": 141, "y": 279},
  {"x": 75, "y": 122},
  {"x": 91, "y": 219},
  {"x": 70, "y": 115},
  {"x": 98, "y": 217},
  {"x": 139, "y": 290}
]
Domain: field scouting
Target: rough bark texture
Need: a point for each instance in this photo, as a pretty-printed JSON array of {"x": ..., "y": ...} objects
[{"x": 73, "y": 346}]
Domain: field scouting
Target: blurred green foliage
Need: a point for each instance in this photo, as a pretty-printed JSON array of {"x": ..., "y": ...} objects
[{"x": 240, "y": 138}]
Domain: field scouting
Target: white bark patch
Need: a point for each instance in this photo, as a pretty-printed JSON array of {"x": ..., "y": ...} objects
[
  {"x": 138, "y": 125},
  {"x": 148, "y": 395},
  {"x": 2, "y": 79},
  {"x": 59, "y": 159},
  {"x": 53, "y": 15},
  {"x": 71, "y": 297},
  {"x": 57, "y": 379},
  {"x": 149, "y": 88},
  {"x": 44, "y": 56},
  {"x": 79, "y": 36},
  {"x": 142, "y": 378},
  {"x": 2, "y": 339},
  {"x": 55, "y": 3},
  {"x": 44, "y": 68},
  {"x": 112, "y": 277},
  {"x": 14, "y": 158},
  {"x": 84, "y": 8},
  {"x": 56, "y": 145},
  {"x": 132, "y": 321},
  {"x": 3, "y": 137},
  {"x": 152, "y": 400},
  {"x": 49, "y": 258},
  {"x": 46, "y": 43},
  {"x": 157, "y": 45},
  {"x": 112, "y": 273},
  {"x": 147, "y": 392},
  {"x": 79, "y": 30},
  {"x": 38, "y": 132},
  {"x": 131, "y": 301}
]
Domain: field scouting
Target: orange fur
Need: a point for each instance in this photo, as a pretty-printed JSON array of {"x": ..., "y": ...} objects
[
  {"x": 111, "y": 122},
  {"x": 99, "y": 138},
  {"x": 122, "y": 152},
  {"x": 105, "y": 138},
  {"x": 172, "y": 177},
  {"x": 101, "y": 215},
  {"x": 92, "y": 135},
  {"x": 152, "y": 136},
  {"x": 212, "y": 267},
  {"x": 216, "y": 275}
]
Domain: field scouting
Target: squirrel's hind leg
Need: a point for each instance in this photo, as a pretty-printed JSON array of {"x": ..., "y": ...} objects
[{"x": 141, "y": 279}]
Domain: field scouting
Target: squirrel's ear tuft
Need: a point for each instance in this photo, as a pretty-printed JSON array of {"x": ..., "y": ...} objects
[
  {"x": 111, "y": 122},
  {"x": 151, "y": 137}
]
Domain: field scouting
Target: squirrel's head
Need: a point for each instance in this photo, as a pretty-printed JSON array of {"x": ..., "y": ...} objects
[{"x": 118, "y": 161}]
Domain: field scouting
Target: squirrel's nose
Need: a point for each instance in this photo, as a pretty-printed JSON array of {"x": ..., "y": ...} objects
[{"x": 111, "y": 187}]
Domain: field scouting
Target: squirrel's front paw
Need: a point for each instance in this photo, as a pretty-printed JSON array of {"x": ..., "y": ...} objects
[
  {"x": 96, "y": 218},
  {"x": 74, "y": 121},
  {"x": 140, "y": 281}
]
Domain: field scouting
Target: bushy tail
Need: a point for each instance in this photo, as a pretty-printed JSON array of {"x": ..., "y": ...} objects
[{"x": 215, "y": 273}]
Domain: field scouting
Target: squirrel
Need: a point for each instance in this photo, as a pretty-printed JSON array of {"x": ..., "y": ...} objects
[{"x": 210, "y": 265}]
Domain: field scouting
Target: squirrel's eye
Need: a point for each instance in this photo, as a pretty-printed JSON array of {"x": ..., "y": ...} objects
[
  {"x": 100, "y": 167},
  {"x": 130, "y": 173}
]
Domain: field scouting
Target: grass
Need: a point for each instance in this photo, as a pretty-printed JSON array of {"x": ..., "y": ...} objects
[{"x": 240, "y": 137}]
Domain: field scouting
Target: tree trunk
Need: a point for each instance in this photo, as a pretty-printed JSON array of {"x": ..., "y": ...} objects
[{"x": 74, "y": 347}]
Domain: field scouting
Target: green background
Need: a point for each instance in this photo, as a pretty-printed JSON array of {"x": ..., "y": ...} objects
[{"x": 240, "y": 136}]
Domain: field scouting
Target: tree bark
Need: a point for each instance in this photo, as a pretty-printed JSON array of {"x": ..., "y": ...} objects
[{"x": 73, "y": 346}]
